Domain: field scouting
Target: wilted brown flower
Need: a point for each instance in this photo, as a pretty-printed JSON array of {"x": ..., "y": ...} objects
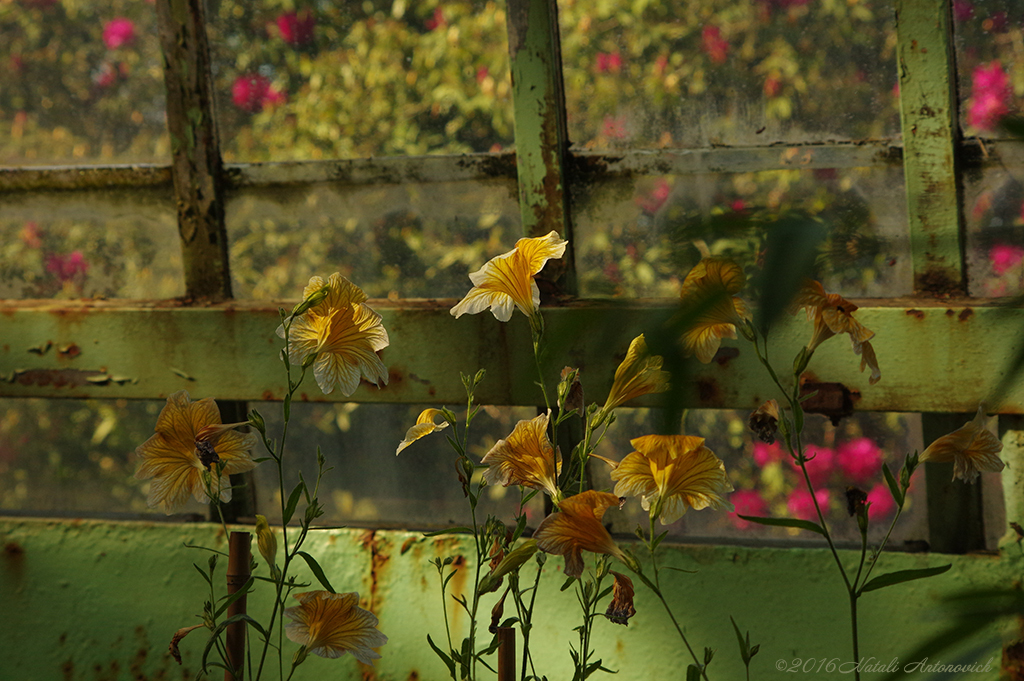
[
  {"x": 621, "y": 608},
  {"x": 764, "y": 421}
]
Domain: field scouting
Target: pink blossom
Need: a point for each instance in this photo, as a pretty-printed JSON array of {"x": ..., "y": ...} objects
[
  {"x": 765, "y": 454},
  {"x": 821, "y": 466},
  {"x": 481, "y": 74},
  {"x": 801, "y": 505},
  {"x": 714, "y": 45},
  {"x": 860, "y": 460},
  {"x": 881, "y": 501},
  {"x": 660, "y": 64},
  {"x": 614, "y": 127},
  {"x": 652, "y": 201},
  {"x": 437, "y": 21},
  {"x": 67, "y": 267},
  {"x": 1005, "y": 257},
  {"x": 738, "y": 206},
  {"x": 296, "y": 28},
  {"x": 747, "y": 502},
  {"x": 608, "y": 61},
  {"x": 963, "y": 11},
  {"x": 252, "y": 92},
  {"x": 105, "y": 75},
  {"x": 990, "y": 96},
  {"x": 118, "y": 32}
]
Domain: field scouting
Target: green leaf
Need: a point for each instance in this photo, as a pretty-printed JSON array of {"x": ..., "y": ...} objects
[
  {"x": 785, "y": 522},
  {"x": 228, "y": 600},
  {"x": 450, "y": 530},
  {"x": 791, "y": 249},
  {"x": 894, "y": 487},
  {"x": 693, "y": 673},
  {"x": 448, "y": 661},
  {"x": 318, "y": 572},
  {"x": 900, "y": 576},
  {"x": 569, "y": 581},
  {"x": 293, "y": 501},
  {"x": 744, "y": 650},
  {"x": 205, "y": 576}
]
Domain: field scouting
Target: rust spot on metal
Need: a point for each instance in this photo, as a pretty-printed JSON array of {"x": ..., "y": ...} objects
[
  {"x": 59, "y": 378},
  {"x": 62, "y": 639},
  {"x": 725, "y": 355},
  {"x": 406, "y": 545},
  {"x": 833, "y": 400},
  {"x": 267, "y": 396},
  {"x": 40, "y": 349},
  {"x": 69, "y": 351},
  {"x": 68, "y": 670},
  {"x": 707, "y": 390},
  {"x": 13, "y": 550},
  {"x": 950, "y": 313},
  {"x": 965, "y": 314},
  {"x": 938, "y": 281},
  {"x": 501, "y": 165},
  {"x": 1013, "y": 661},
  {"x": 379, "y": 557},
  {"x": 395, "y": 376},
  {"x": 303, "y": 397},
  {"x": 916, "y": 314},
  {"x": 414, "y": 675}
]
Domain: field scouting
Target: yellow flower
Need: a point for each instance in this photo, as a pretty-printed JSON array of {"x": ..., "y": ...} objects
[
  {"x": 671, "y": 473},
  {"x": 639, "y": 374},
  {"x": 425, "y": 425},
  {"x": 330, "y": 625},
  {"x": 189, "y": 440},
  {"x": 577, "y": 527},
  {"x": 507, "y": 280},
  {"x": 708, "y": 291},
  {"x": 266, "y": 541},
  {"x": 971, "y": 448},
  {"x": 832, "y": 314},
  {"x": 525, "y": 458},
  {"x": 343, "y": 333}
]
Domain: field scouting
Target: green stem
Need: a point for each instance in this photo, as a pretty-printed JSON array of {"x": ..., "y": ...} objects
[
  {"x": 856, "y": 646},
  {"x": 878, "y": 551}
]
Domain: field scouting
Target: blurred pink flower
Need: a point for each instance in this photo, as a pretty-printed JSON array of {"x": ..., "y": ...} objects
[
  {"x": 990, "y": 96},
  {"x": 800, "y": 504},
  {"x": 30, "y": 235},
  {"x": 105, "y": 75},
  {"x": 820, "y": 468},
  {"x": 608, "y": 61},
  {"x": 1004, "y": 256},
  {"x": 614, "y": 127},
  {"x": 118, "y": 32},
  {"x": 652, "y": 201},
  {"x": 996, "y": 23},
  {"x": 481, "y": 74},
  {"x": 860, "y": 460},
  {"x": 67, "y": 267},
  {"x": 738, "y": 206},
  {"x": 747, "y": 502},
  {"x": 765, "y": 454},
  {"x": 252, "y": 91},
  {"x": 296, "y": 28},
  {"x": 714, "y": 45},
  {"x": 963, "y": 10},
  {"x": 881, "y": 502},
  {"x": 437, "y": 21}
]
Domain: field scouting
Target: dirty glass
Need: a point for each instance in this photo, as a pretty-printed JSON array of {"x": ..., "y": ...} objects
[
  {"x": 394, "y": 241},
  {"x": 989, "y": 38},
  {"x": 82, "y": 83},
  {"x": 298, "y": 81},
  {"x": 75, "y": 456},
  {"x": 638, "y": 236},
  {"x": 728, "y": 72},
  {"x": 111, "y": 244},
  {"x": 369, "y": 484},
  {"x": 767, "y": 483},
  {"x": 994, "y": 212}
]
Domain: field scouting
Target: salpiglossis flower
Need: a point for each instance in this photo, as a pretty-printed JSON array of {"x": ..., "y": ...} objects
[
  {"x": 640, "y": 373},
  {"x": 188, "y": 432},
  {"x": 972, "y": 448},
  {"x": 621, "y": 608},
  {"x": 576, "y": 527},
  {"x": 330, "y": 625},
  {"x": 425, "y": 425},
  {"x": 708, "y": 292},
  {"x": 526, "y": 457},
  {"x": 671, "y": 473},
  {"x": 506, "y": 281},
  {"x": 343, "y": 333},
  {"x": 832, "y": 314}
]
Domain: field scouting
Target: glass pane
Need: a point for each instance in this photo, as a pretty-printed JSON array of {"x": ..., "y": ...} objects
[
  {"x": 728, "y": 72},
  {"x": 397, "y": 241},
  {"x": 83, "y": 83},
  {"x": 990, "y": 62},
  {"x": 767, "y": 483},
  {"x": 75, "y": 456},
  {"x": 994, "y": 208},
  {"x": 116, "y": 244},
  {"x": 369, "y": 484},
  {"x": 638, "y": 236},
  {"x": 360, "y": 79}
]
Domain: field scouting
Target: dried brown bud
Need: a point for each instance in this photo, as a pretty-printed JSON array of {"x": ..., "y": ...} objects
[
  {"x": 570, "y": 390},
  {"x": 176, "y": 639},
  {"x": 621, "y": 608},
  {"x": 765, "y": 421},
  {"x": 856, "y": 500},
  {"x": 496, "y": 612}
]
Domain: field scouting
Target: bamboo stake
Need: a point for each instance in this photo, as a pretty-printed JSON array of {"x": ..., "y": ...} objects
[
  {"x": 506, "y": 654},
  {"x": 239, "y": 559}
]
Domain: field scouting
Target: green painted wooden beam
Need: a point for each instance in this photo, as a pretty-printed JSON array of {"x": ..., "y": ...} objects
[
  {"x": 928, "y": 111},
  {"x": 929, "y": 353}
]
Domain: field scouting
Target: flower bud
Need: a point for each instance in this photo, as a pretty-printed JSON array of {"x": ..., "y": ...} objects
[
  {"x": 257, "y": 422},
  {"x": 266, "y": 541},
  {"x": 765, "y": 421},
  {"x": 314, "y": 299}
]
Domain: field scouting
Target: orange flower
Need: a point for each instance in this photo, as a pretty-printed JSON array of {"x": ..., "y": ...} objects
[
  {"x": 577, "y": 527},
  {"x": 330, "y": 625},
  {"x": 425, "y": 425},
  {"x": 708, "y": 291},
  {"x": 671, "y": 473},
  {"x": 832, "y": 314},
  {"x": 525, "y": 458},
  {"x": 971, "y": 448},
  {"x": 343, "y": 333},
  {"x": 639, "y": 374},
  {"x": 180, "y": 456},
  {"x": 507, "y": 280}
]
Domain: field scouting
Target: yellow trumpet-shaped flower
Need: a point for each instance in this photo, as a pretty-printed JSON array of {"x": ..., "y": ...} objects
[
  {"x": 506, "y": 281},
  {"x": 526, "y": 457},
  {"x": 343, "y": 333},
  {"x": 330, "y": 625},
  {"x": 832, "y": 314},
  {"x": 181, "y": 456},
  {"x": 972, "y": 448},
  {"x": 639, "y": 374},
  {"x": 708, "y": 291},
  {"x": 577, "y": 527},
  {"x": 671, "y": 473},
  {"x": 425, "y": 425}
]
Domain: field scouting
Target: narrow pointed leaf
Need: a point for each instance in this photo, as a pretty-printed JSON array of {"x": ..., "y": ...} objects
[
  {"x": 317, "y": 571},
  {"x": 293, "y": 501},
  {"x": 786, "y": 522},
  {"x": 900, "y": 576},
  {"x": 894, "y": 487}
]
